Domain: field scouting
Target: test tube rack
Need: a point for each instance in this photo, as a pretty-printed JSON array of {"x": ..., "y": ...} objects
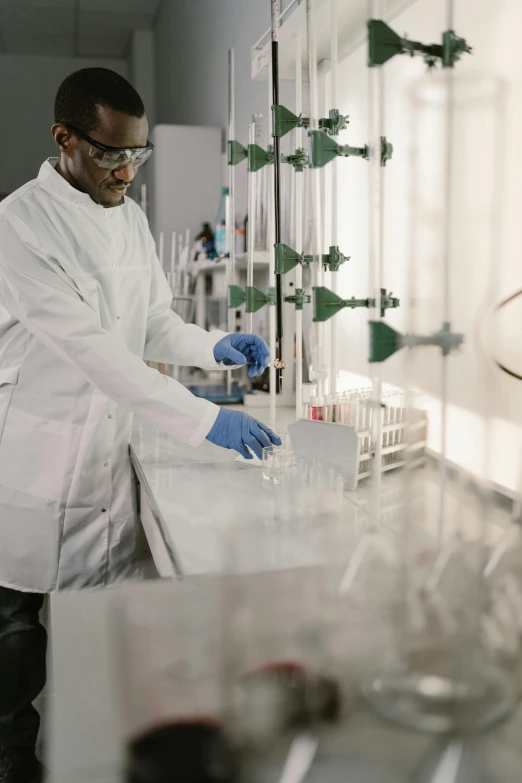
[{"x": 350, "y": 449}]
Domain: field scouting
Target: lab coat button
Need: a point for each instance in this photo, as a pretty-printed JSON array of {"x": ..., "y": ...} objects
[
  {"x": 105, "y": 464},
  {"x": 118, "y": 317},
  {"x": 110, "y": 416},
  {"x": 104, "y": 510}
]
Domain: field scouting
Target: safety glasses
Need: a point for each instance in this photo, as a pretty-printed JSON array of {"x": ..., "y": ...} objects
[{"x": 113, "y": 158}]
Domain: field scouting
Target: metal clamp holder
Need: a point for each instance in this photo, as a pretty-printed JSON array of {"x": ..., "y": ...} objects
[
  {"x": 257, "y": 299},
  {"x": 236, "y": 297},
  {"x": 258, "y": 158},
  {"x": 287, "y": 259},
  {"x": 327, "y": 304},
  {"x": 385, "y": 341},
  {"x": 334, "y": 123},
  {"x": 283, "y": 121},
  {"x": 236, "y": 153},
  {"x": 384, "y": 43},
  {"x": 324, "y": 149},
  {"x": 298, "y": 299},
  {"x": 333, "y": 259},
  {"x": 298, "y": 160}
]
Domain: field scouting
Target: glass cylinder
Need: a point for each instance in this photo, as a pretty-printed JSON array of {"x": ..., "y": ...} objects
[{"x": 444, "y": 679}]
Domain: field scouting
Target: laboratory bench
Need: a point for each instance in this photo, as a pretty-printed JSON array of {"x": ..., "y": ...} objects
[{"x": 190, "y": 499}]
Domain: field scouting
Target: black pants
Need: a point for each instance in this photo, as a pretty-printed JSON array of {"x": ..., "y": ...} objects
[{"x": 23, "y": 646}]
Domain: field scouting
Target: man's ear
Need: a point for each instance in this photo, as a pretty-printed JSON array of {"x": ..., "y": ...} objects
[{"x": 63, "y": 138}]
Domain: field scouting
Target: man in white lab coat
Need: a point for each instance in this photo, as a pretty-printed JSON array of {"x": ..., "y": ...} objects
[{"x": 83, "y": 304}]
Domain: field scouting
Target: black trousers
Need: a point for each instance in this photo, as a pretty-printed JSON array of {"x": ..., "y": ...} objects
[{"x": 23, "y": 647}]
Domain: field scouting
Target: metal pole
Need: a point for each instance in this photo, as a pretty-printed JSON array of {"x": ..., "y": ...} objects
[
  {"x": 333, "y": 184},
  {"x": 315, "y": 183},
  {"x": 277, "y": 193},
  {"x": 271, "y": 269},
  {"x": 251, "y": 223},
  {"x": 231, "y": 220},
  {"x": 298, "y": 234},
  {"x": 376, "y": 225}
]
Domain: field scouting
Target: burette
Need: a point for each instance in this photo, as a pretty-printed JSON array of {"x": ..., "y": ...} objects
[
  {"x": 298, "y": 232},
  {"x": 376, "y": 256},
  {"x": 231, "y": 220}
]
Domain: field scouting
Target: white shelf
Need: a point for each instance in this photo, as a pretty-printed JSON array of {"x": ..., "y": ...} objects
[
  {"x": 262, "y": 258},
  {"x": 352, "y": 16}
]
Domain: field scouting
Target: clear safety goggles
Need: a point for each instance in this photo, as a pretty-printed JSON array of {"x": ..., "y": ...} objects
[{"x": 113, "y": 158}]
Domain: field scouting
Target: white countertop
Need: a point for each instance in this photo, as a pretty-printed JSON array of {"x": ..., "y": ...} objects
[{"x": 218, "y": 515}]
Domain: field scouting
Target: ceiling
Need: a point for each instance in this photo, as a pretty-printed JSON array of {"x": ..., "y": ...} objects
[{"x": 73, "y": 28}]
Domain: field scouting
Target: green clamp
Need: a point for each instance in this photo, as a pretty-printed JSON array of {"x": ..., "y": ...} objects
[
  {"x": 385, "y": 341},
  {"x": 298, "y": 160},
  {"x": 256, "y": 299},
  {"x": 236, "y": 153},
  {"x": 327, "y": 304},
  {"x": 287, "y": 259},
  {"x": 258, "y": 158},
  {"x": 298, "y": 299},
  {"x": 384, "y": 43},
  {"x": 333, "y": 259},
  {"x": 334, "y": 123},
  {"x": 452, "y": 48},
  {"x": 236, "y": 296},
  {"x": 284, "y": 121},
  {"x": 324, "y": 149}
]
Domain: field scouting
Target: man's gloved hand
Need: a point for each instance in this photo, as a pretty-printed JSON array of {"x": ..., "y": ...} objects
[
  {"x": 236, "y": 430},
  {"x": 240, "y": 348}
]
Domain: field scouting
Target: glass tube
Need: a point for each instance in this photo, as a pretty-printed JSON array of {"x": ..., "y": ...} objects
[
  {"x": 445, "y": 680},
  {"x": 252, "y": 223},
  {"x": 319, "y": 368}
]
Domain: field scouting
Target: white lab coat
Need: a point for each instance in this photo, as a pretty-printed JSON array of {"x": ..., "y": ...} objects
[{"x": 83, "y": 302}]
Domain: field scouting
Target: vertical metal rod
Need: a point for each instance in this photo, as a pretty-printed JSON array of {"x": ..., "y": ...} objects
[
  {"x": 251, "y": 223},
  {"x": 448, "y": 226},
  {"x": 231, "y": 214},
  {"x": 333, "y": 185},
  {"x": 272, "y": 329},
  {"x": 376, "y": 218},
  {"x": 277, "y": 189},
  {"x": 315, "y": 184},
  {"x": 298, "y": 233}
]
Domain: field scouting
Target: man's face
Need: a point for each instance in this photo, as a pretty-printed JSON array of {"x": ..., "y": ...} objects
[{"x": 115, "y": 129}]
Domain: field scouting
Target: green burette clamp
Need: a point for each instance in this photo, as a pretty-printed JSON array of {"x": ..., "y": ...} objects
[
  {"x": 333, "y": 259},
  {"x": 327, "y": 304},
  {"x": 324, "y": 149},
  {"x": 384, "y": 43},
  {"x": 257, "y": 299},
  {"x": 298, "y": 299},
  {"x": 236, "y": 153},
  {"x": 258, "y": 158},
  {"x": 287, "y": 259},
  {"x": 385, "y": 341},
  {"x": 284, "y": 121},
  {"x": 298, "y": 160},
  {"x": 236, "y": 296},
  {"x": 334, "y": 123}
]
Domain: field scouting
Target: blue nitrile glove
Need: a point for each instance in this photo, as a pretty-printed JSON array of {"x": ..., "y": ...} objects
[
  {"x": 236, "y": 430},
  {"x": 240, "y": 348}
]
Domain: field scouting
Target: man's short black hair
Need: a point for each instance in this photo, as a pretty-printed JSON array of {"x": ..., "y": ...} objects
[{"x": 81, "y": 92}]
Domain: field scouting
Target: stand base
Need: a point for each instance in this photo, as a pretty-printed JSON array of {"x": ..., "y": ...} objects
[{"x": 441, "y": 705}]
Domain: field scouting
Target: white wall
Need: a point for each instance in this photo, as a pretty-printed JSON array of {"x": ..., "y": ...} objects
[
  {"x": 28, "y": 87},
  {"x": 480, "y": 155},
  {"x": 192, "y": 43}
]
